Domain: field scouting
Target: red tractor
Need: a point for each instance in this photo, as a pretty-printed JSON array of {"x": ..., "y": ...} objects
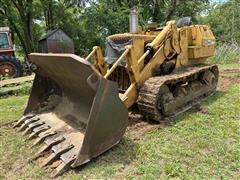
[{"x": 9, "y": 65}]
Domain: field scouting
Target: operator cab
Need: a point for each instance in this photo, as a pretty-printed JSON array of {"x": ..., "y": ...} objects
[
  {"x": 114, "y": 49},
  {"x": 4, "y": 41}
]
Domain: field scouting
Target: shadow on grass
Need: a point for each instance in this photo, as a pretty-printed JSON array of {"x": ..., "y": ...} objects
[
  {"x": 201, "y": 107},
  {"x": 217, "y": 95}
]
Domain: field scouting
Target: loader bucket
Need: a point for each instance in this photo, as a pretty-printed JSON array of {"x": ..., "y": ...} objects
[{"x": 76, "y": 114}]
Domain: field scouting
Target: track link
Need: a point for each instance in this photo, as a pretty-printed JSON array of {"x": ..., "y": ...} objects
[{"x": 169, "y": 95}]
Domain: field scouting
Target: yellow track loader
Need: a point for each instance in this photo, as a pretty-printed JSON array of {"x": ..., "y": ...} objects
[{"x": 78, "y": 108}]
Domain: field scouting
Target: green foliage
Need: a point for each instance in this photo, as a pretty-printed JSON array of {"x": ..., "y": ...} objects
[
  {"x": 224, "y": 20},
  {"x": 4, "y": 77},
  {"x": 20, "y": 17},
  {"x": 99, "y": 21},
  {"x": 87, "y": 22},
  {"x": 164, "y": 10},
  {"x": 15, "y": 89}
]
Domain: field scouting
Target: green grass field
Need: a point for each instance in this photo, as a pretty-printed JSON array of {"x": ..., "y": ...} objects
[{"x": 201, "y": 144}]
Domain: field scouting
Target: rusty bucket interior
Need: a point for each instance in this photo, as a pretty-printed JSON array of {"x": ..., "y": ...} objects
[{"x": 76, "y": 114}]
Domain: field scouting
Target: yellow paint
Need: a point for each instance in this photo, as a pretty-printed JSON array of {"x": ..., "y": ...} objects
[{"x": 182, "y": 46}]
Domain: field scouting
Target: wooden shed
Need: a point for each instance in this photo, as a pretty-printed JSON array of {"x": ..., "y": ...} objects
[{"x": 56, "y": 41}]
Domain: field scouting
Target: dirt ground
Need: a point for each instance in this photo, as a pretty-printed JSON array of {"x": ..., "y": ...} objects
[
  {"x": 228, "y": 77},
  {"x": 139, "y": 126}
]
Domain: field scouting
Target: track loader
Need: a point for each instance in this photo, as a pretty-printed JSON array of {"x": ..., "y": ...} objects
[{"x": 78, "y": 108}]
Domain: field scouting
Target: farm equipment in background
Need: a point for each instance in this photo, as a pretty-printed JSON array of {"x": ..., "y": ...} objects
[
  {"x": 55, "y": 41},
  {"x": 79, "y": 110},
  {"x": 9, "y": 65}
]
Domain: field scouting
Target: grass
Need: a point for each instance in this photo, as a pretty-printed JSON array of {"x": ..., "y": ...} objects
[
  {"x": 11, "y": 108},
  {"x": 226, "y": 54},
  {"x": 229, "y": 66},
  {"x": 198, "y": 145},
  {"x": 16, "y": 90}
]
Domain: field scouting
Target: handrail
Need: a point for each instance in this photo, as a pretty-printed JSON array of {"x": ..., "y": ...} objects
[
  {"x": 92, "y": 66},
  {"x": 93, "y": 51},
  {"x": 117, "y": 62}
]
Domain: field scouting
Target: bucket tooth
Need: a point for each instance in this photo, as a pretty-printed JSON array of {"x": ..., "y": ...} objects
[
  {"x": 56, "y": 154},
  {"x": 63, "y": 167},
  {"x": 49, "y": 144},
  {"x": 38, "y": 130},
  {"x": 22, "y": 127},
  {"x": 22, "y": 119},
  {"x": 32, "y": 126},
  {"x": 55, "y": 164},
  {"x": 27, "y": 122},
  {"x": 41, "y": 151},
  {"x": 43, "y": 136},
  {"x": 34, "y": 119}
]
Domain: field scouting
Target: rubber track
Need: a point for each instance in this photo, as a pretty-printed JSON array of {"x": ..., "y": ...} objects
[{"x": 148, "y": 94}]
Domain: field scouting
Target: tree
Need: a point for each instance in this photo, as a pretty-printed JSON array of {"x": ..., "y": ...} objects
[
  {"x": 224, "y": 20},
  {"x": 20, "y": 17},
  {"x": 87, "y": 22},
  {"x": 24, "y": 18},
  {"x": 160, "y": 11}
]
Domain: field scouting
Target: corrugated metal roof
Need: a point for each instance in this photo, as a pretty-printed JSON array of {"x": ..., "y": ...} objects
[{"x": 50, "y": 33}]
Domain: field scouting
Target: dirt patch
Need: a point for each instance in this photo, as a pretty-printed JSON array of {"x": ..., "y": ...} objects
[
  {"x": 138, "y": 126},
  {"x": 203, "y": 110},
  {"x": 197, "y": 108},
  {"x": 228, "y": 77}
]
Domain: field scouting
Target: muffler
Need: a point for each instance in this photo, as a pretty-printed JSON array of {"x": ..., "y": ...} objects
[{"x": 73, "y": 111}]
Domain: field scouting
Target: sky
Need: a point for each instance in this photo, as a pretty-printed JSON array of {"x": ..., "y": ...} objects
[{"x": 218, "y": 1}]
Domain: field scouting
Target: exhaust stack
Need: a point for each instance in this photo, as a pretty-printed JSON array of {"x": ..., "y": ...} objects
[{"x": 133, "y": 21}]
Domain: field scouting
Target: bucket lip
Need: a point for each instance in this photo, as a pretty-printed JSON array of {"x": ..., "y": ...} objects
[{"x": 60, "y": 55}]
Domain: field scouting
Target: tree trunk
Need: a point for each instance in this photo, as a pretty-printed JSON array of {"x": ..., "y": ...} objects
[
  {"x": 48, "y": 15},
  {"x": 25, "y": 13}
]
